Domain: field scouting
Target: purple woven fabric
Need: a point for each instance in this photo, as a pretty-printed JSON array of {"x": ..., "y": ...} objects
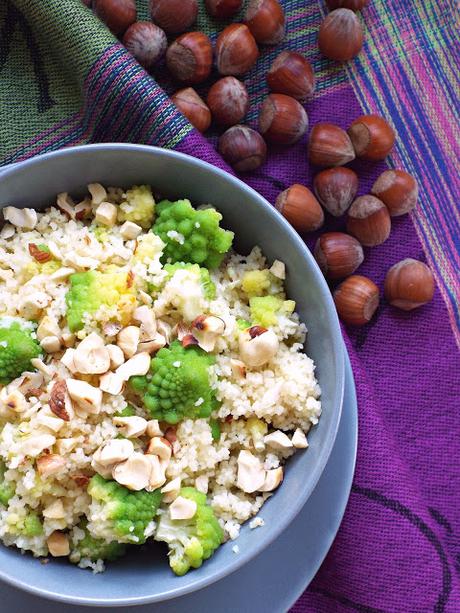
[{"x": 398, "y": 548}]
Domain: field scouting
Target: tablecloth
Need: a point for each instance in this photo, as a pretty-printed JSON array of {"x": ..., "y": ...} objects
[{"x": 65, "y": 80}]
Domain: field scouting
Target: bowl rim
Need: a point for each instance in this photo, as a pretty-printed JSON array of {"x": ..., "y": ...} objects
[{"x": 339, "y": 358}]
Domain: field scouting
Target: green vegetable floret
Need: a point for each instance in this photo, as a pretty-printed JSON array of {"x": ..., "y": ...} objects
[
  {"x": 209, "y": 289},
  {"x": 265, "y": 309},
  {"x": 7, "y": 489},
  {"x": 190, "y": 235},
  {"x": 17, "y": 349},
  {"x": 92, "y": 289},
  {"x": 178, "y": 385},
  {"x": 91, "y": 548},
  {"x": 138, "y": 206},
  {"x": 190, "y": 540},
  {"x": 118, "y": 514}
]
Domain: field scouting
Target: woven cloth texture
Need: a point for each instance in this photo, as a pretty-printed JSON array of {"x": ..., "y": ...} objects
[{"x": 65, "y": 80}]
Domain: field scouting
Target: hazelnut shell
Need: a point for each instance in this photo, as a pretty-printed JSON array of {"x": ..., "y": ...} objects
[
  {"x": 409, "y": 284},
  {"x": 356, "y": 300},
  {"x": 372, "y": 137},
  {"x": 146, "y": 42},
  {"x": 338, "y": 254},
  {"x": 329, "y": 145},
  {"x": 266, "y": 20},
  {"x": 369, "y": 221},
  {"x": 222, "y": 9},
  {"x": 300, "y": 207},
  {"x": 193, "y": 107},
  {"x": 228, "y": 101},
  {"x": 243, "y": 148},
  {"x": 398, "y": 190},
  {"x": 291, "y": 74},
  {"x": 236, "y": 50},
  {"x": 189, "y": 57},
  {"x": 353, "y": 5},
  {"x": 282, "y": 119},
  {"x": 174, "y": 16},
  {"x": 341, "y": 35},
  {"x": 336, "y": 189},
  {"x": 118, "y": 15}
]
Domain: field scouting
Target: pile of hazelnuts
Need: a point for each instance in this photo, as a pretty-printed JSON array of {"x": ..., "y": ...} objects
[{"x": 283, "y": 121}]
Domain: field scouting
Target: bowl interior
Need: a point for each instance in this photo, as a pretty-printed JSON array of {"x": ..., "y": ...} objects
[{"x": 144, "y": 575}]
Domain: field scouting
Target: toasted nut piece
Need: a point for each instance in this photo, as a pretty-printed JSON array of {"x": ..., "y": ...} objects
[
  {"x": 62, "y": 273},
  {"x": 7, "y": 231},
  {"x": 66, "y": 204},
  {"x": 146, "y": 317},
  {"x": 278, "y": 440},
  {"x": 55, "y": 510},
  {"x": 134, "y": 473},
  {"x": 278, "y": 269},
  {"x": 160, "y": 447},
  {"x": 153, "y": 345},
  {"x": 202, "y": 484},
  {"x": 207, "y": 329},
  {"x": 251, "y": 473},
  {"x": 60, "y": 403},
  {"x": 165, "y": 330},
  {"x": 67, "y": 360},
  {"x": 98, "y": 193},
  {"x": 14, "y": 400},
  {"x": 65, "y": 445},
  {"x": 40, "y": 365},
  {"x": 170, "y": 435},
  {"x": 58, "y": 544},
  {"x": 88, "y": 397},
  {"x": 21, "y": 218},
  {"x": 273, "y": 478},
  {"x": 238, "y": 369},
  {"x": 68, "y": 339},
  {"x": 171, "y": 490},
  {"x": 299, "y": 440},
  {"x": 114, "y": 451},
  {"x": 48, "y": 327},
  {"x": 117, "y": 357},
  {"x": 111, "y": 328},
  {"x": 259, "y": 350},
  {"x": 104, "y": 471},
  {"x": 153, "y": 428},
  {"x": 50, "y": 464},
  {"x": 45, "y": 417},
  {"x": 34, "y": 444},
  {"x": 32, "y": 305},
  {"x": 157, "y": 476},
  {"x": 128, "y": 340},
  {"x": 106, "y": 214},
  {"x": 80, "y": 480},
  {"x": 182, "y": 508},
  {"x": 137, "y": 366},
  {"x": 91, "y": 356},
  {"x": 26, "y": 383},
  {"x": 111, "y": 383},
  {"x": 132, "y": 426},
  {"x": 51, "y": 344},
  {"x": 130, "y": 231}
]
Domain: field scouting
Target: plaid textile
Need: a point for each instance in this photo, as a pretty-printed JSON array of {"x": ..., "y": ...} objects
[{"x": 64, "y": 80}]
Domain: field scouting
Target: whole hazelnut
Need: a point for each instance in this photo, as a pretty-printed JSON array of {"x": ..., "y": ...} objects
[
  {"x": 338, "y": 254},
  {"x": 398, "y": 190},
  {"x": 300, "y": 207},
  {"x": 282, "y": 119},
  {"x": 341, "y": 35},
  {"x": 228, "y": 100},
  {"x": 236, "y": 50},
  {"x": 193, "y": 107},
  {"x": 189, "y": 57},
  {"x": 356, "y": 300},
  {"x": 369, "y": 221},
  {"x": 266, "y": 20},
  {"x": 336, "y": 189},
  {"x": 222, "y": 9},
  {"x": 117, "y": 15},
  {"x": 329, "y": 145},
  {"x": 174, "y": 16},
  {"x": 243, "y": 148},
  {"x": 409, "y": 284},
  {"x": 291, "y": 74},
  {"x": 353, "y": 5},
  {"x": 146, "y": 42},
  {"x": 372, "y": 137}
]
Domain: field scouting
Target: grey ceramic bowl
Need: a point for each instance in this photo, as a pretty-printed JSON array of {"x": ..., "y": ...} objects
[{"x": 144, "y": 576}]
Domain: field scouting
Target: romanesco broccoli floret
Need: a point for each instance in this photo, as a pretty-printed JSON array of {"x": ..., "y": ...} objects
[
  {"x": 119, "y": 514},
  {"x": 190, "y": 235},
  {"x": 92, "y": 289},
  {"x": 128, "y": 411},
  {"x": 17, "y": 348},
  {"x": 178, "y": 385},
  {"x": 138, "y": 206},
  {"x": 7, "y": 488},
  {"x": 264, "y": 309},
  {"x": 193, "y": 540},
  {"x": 33, "y": 269},
  {"x": 256, "y": 282},
  {"x": 92, "y": 548},
  {"x": 209, "y": 289},
  {"x": 27, "y": 524}
]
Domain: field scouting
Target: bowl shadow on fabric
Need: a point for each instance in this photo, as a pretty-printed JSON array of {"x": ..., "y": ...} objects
[{"x": 143, "y": 575}]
